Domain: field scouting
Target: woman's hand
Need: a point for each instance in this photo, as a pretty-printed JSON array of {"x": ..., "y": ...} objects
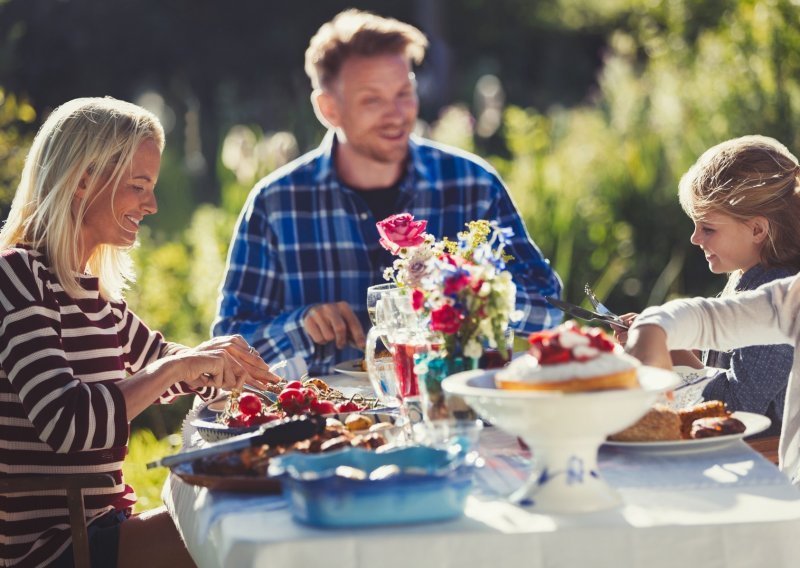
[
  {"x": 621, "y": 333},
  {"x": 210, "y": 368},
  {"x": 244, "y": 354},
  {"x": 216, "y": 364}
]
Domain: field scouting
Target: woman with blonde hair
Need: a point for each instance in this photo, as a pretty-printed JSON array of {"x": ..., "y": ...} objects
[
  {"x": 75, "y": 364},
  {"x": 742, "y": 195}
]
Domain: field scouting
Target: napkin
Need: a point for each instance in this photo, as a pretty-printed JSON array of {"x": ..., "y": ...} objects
[{"x": 690, "y": 391}]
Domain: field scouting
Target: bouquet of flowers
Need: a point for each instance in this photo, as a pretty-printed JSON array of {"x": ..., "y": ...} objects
[{"x": 460, "y": 287}]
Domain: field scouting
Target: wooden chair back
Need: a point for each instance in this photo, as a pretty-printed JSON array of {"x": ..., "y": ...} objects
[{"x": 74, "y": 485}]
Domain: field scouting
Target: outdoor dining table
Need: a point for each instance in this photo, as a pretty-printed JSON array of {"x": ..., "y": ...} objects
[{"x": 725, "y": 506}]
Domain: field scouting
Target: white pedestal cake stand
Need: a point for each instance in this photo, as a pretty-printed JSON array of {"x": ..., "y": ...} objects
[{"x": 564, "y": 431}]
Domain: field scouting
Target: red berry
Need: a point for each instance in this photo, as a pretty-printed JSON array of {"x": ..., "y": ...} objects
[
  {"x": 293, "y": 385},
  {"x": 249, "y": 404},
  {"x": 264, "y": 418},
  {"x": 555, "y": 357},
  {"x": 291, "y": 401},
  {"x": 323, "y": 407},
  {"x": 348, "y": 406},
  {"x": 290, "y": 394},
  {"x": 239, "y": 421},
  {"x": 309, "y": 395}
]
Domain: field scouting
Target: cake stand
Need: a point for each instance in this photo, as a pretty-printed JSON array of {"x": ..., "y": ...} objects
[{"x": 564, "y": 432}]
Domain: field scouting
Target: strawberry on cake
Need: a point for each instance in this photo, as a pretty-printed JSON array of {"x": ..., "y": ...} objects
[{"x": 570, "y": 359}]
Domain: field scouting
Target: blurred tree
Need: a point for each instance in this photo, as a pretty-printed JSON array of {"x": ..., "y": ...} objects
[
  {"x": 216, "y": 65},
  {"x": 598, "y": 182},
  {"x": 16, "y": 116}
]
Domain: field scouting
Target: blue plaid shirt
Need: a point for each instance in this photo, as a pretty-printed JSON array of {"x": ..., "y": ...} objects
[{"x": 304, "y": 238}]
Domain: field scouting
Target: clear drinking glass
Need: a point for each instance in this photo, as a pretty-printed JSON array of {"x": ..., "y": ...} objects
[
  {"x": 462, "y": 436},
  {"x": 380, "y": 369},
  {"x": 396, "y": 324},
  {"x": 374, "y": 294}
]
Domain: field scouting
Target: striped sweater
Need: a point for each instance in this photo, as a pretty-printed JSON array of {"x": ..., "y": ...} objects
[{"x": 60, "y": 409}]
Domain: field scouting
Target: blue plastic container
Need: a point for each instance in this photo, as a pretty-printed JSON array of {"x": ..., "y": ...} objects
[{"x": 432, "y": 485}]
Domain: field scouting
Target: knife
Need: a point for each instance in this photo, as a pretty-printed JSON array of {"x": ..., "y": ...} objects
[
  {"x": 281, "y": 432},
  {"x": 583, "y": 313}
]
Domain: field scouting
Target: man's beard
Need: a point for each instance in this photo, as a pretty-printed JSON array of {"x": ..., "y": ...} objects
[{"x": 393, "y": 156}]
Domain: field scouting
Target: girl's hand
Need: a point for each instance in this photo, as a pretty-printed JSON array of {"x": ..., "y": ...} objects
[
  {"x": 247, "y": 356},
  {"x": 620, "y": 333}
]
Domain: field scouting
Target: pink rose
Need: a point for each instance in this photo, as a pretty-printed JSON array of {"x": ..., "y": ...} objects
[
  {"x": 401, "y": 231},
  {"x": 446, "y": 319}
]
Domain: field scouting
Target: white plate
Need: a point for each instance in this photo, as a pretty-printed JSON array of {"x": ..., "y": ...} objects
[
  {"x": 352, "y": 368},
  {"x": 754, "y": 423}
]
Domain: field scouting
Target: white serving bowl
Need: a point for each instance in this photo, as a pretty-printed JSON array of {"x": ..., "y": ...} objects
[{"x": 564, "y": 432}]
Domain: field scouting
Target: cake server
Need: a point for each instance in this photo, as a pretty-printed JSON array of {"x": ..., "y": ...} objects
[
  {"x": 598, "y": 305},
  {"x": 583, "y": 313}
]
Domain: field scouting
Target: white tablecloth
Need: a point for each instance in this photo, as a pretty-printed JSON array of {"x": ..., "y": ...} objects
[{"x": 724, "y": 508}]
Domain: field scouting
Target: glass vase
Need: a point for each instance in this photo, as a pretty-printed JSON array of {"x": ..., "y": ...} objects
[{"x": 431, "y": 368}]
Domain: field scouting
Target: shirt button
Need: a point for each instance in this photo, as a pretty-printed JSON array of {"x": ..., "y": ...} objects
[{"x": 364, "y": 216}]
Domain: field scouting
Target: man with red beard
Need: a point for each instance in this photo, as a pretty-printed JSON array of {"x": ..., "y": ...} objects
[{"x": 306, "y": 247}]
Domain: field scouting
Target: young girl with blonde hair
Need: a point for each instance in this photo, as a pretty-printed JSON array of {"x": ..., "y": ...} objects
[{"x": 743, "y": 197}]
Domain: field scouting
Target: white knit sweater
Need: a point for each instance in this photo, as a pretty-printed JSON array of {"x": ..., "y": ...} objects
[{"x": 763, "y": 316}]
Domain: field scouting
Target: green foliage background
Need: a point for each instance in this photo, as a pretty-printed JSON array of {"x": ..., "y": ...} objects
[
  {"x": 596, "y": 182},
  {"x": 595, "y": 177}
]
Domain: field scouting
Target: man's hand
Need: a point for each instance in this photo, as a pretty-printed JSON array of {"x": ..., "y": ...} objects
[{"x": 334, "y": 322}]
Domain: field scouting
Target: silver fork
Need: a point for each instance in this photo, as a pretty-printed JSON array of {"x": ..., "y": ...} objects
[{"x": 598, "y": 305}]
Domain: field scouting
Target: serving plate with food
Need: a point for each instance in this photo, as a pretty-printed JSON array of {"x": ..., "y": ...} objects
[
  {"x": 213, "y": 431},
  {"x": 705, "y": 426},
  {"x": 354, "y": 368},
  {"x": 241, "y": 463},
  {"x": 754, "y": 423},
  {"x": 224, "y": 418}
]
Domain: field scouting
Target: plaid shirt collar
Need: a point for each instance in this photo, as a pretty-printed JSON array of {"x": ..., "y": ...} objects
[{"x": 326, "y": 168}]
